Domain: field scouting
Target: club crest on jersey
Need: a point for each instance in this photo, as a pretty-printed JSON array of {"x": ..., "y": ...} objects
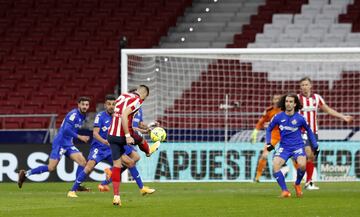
[
  {"x": 104, "y": 128},
  {"x": 294, "y": 122}
]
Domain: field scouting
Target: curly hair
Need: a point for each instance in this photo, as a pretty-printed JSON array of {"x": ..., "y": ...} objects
[{"x": 296, "y": 100}]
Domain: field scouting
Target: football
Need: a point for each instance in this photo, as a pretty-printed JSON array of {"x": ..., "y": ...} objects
[{"x": 158, "y": 134}]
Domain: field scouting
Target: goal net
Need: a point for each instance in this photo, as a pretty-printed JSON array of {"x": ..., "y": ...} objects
[{"x": 213, "y": 98}]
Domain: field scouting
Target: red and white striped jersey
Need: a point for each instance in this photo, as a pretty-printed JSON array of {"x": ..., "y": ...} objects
[
  {"x": 310, "y": 109},
  {"x": 124, "y": 101}
]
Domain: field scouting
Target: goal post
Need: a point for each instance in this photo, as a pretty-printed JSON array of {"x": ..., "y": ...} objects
[{"x": 209, "y": 101}]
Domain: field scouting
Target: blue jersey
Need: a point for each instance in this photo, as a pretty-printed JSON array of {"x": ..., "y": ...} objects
[
  {"x": 138, "y": 117},
  {"x": 290, "y": 130},
  {"x": 69, "y": 127},
  {"x": 102, "y": 121}
]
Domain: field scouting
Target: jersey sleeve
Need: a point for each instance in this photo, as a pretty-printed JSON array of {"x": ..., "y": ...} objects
[
  {"x": 321, "y": 100},
  {"x": 97, "y": 121},
  {"x": 261, "y": 121},
  {"x": 69, "y": 125}
]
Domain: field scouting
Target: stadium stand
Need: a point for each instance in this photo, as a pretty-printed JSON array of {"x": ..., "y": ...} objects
[
  {"x": 53, "y": 51},
  {"x": 274, "y": 23}
]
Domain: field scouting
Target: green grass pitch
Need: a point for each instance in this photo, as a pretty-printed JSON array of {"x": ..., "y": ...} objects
[{"x": 180, "y": 199}]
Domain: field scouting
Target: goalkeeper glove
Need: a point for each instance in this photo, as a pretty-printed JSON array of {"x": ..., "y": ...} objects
[
  {"x": 254, "y": 136},
  {"x": 316, "y": 152},
  {"x": 269, "y": 147}
]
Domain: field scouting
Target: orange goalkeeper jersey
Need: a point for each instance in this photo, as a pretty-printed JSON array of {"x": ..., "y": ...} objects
[{"x": 265, "y": 118}]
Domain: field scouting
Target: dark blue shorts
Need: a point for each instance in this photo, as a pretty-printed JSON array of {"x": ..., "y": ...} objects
[
  {"x": 98, "y": 155},
  {"x": 287, "y": 152},
  {"x": 58, "y": 150},
  {"x": 119, "y": 147}
]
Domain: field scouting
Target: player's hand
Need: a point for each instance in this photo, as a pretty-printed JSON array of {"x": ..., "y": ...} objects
[
  {"x": 84, "y": 138},
  {"x": 130, "y": 140},
  {"x": 316, "y": 152},
  {"x": 254, "y": 136},
  {"x": 269, "y": 147},
  {"x": 347, "y": 118}
]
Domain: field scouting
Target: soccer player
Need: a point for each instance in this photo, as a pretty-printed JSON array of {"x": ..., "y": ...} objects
[
  {"x": 100, "y": 147},
  {"x": 310, "y": 103},
  {"x": 63, "y": 143},
  {"x": 275, "y": 134},
  {"x": 121, "y": 136},
  {"x": 290, "y": 123}
]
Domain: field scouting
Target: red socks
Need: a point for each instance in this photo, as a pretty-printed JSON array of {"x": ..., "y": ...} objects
[
  {"x": 144, "y": 146},
  {"x": 309, "y": 170},
  {"x": 116, "y": 178}
]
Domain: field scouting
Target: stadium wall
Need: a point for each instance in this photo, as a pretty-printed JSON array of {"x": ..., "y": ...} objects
[
  {"x": 24, "y": 156},
  {"x": 187, "y": 162},
  {"x": 190, "y": 162}
]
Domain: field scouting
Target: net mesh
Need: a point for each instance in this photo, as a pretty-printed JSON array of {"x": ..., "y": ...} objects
[{"x": 220, "y": 97}]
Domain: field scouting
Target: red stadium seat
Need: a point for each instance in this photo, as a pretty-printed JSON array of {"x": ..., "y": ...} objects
[{"x": 13, "y": 123}]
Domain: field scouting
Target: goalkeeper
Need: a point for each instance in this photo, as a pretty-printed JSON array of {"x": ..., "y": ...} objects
[{"x": 275, "y": 134}]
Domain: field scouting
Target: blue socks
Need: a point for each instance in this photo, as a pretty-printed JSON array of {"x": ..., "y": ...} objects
[
  {"x": 37, "y": 170},
  {"x": 300, "y": 175},
  {"x": 135, "y": 174},
  {"x": 79, "y": 170},
  {"x": 79, "y": 179},
  {"x": 281, "y": 180}
]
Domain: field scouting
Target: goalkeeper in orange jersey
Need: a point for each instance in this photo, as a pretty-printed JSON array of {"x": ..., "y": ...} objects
[{"x": 269, "y": 113}]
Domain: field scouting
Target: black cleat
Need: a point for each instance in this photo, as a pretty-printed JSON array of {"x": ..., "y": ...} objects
[
  {"x": 22, "y": 178},
  {"x": 83, "y": 188}
]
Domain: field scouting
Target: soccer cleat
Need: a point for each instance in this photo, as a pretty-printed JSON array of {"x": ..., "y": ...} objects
[
  {"x": 285, "y": 194},
  {"x": 83, "y": 188},
  {"x": 116, "y": 200},
  {"x": 108, "y": 173},
  {"x": 21, "y": 178},
  {"x": 311, "y": 186},
  {"x": 298, "y": 190},
  {"x": 153, "y": 148},
  {"x": 103, "y": 188},
  {"x": 146, "y": 190},
  {"x": 72, "y": 194}
]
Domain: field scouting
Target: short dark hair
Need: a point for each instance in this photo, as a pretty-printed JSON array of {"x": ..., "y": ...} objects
[
  {"x": 306, "y": 79},
  {"x": 146, "y": 88},
  {"x": 296, "y": 99},
  {"x": 110, "y": 97},
  {"x": 132, "y": 90},
  {"x": 83, "y": 99}
]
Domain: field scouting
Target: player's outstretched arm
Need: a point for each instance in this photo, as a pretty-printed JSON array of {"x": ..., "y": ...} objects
[{"x": 332, "y": 112}]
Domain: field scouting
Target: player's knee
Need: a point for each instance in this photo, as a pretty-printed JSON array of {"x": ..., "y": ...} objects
[
  {"x": 310, "y": 157},
  {"x": 131, "y": 164},
  {"x": 136, "y": 158},
  {"x": 88, "y": 168},
  {"x": 51, "y": 168}
]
